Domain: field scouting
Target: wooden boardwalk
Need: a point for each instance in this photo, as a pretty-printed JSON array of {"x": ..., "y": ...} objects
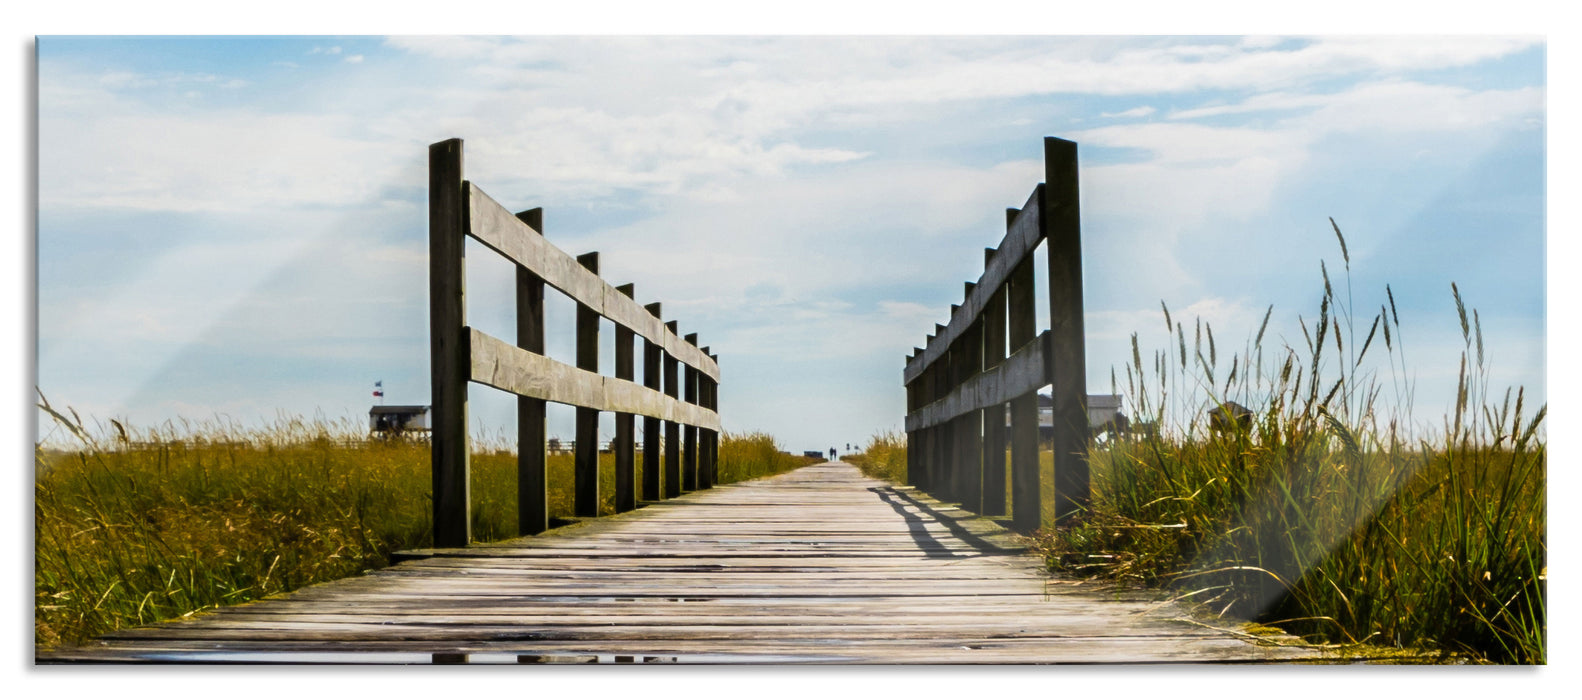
[{"x": 820, "y": 565}]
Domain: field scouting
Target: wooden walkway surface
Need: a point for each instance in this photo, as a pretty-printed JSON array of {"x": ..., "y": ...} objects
[{"x": 820, "y": 565}]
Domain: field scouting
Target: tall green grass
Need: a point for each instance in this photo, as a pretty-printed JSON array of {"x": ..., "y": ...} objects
[
  {"x": 884, "y": 457},
  {"x": 745, "y": 456},
  {"x": 147, "y": 525},
  {"x": 1331, "y": 514}
]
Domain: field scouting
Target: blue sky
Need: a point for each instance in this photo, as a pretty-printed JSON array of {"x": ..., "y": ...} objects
[{"x": 236, "y": 226}]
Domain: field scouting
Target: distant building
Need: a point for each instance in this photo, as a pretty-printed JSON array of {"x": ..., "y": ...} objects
[
  {"x": 386, "y": 421},
  {"x": 1102, "y": 408}
]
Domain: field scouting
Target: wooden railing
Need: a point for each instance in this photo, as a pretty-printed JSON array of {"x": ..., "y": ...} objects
[
  {"x": 460, "y": 354},
  {"x": 959, "y": 383}
]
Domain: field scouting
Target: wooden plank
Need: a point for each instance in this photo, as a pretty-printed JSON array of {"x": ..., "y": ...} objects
[
  {"x": 532, "y": 483},
  {"x": 689, "y": 440},
  {"x": 585, "y": 496},
  {"x": 448, "y": 352},
  {"x": 1026, "y": 489},
  {"x": 508, "y": 368},
  {"x": 625, "y": 444},
  {"x": 672, "y": 428},
  {"x": 1023, "y": 236},
  {"x": 969, "y": 455},
  {"x": 496, "y": 228},
  {"x": 1061, "y": 222},
  {"x": 1022, "y": 372},
  {"x": 653, "y": 354},
  {"x": 993, "y": 411}
]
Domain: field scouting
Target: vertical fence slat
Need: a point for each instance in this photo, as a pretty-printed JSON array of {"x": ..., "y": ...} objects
[
  {"x": 448, "y": 352},
  {"x": 993, "y": 416},
  {"x": 1060, "y": 220},
  {"x": 705, "y": 475},
  {"x": 971, "y": 449},
  {"x": 532, "y": 485},
  {"x": 585, "y": 501},
  {"x": 689, "y": 441},
  {"x": 1026, "y": 490},
  {"x": 652, "y": 357},
  {"x": 672, "y": 428},
  {"x": 625, "y": 447}
]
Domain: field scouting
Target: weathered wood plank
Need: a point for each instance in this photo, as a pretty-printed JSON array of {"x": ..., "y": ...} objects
[
  {"x": 1015, "y": 376},
  {"x": 1026, "y": 489},
  {"x": 532, "y": 481},
  {"x": 507, "y": 368},
  {"x": 448, "y": 350},
  {"x": 1067, "y": 360},
  {"x": 993, "y": 416}
]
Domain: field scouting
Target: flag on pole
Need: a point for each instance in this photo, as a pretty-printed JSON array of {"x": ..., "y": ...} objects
[{"x": 379, "y": 389}]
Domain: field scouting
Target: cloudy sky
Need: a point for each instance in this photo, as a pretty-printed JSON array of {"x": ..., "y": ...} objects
[{"x": 236, "y": 226}]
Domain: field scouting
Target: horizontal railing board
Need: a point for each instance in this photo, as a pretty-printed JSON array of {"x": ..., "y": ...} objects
[
  {"x": 500, "y": 230},
  {"x": 511, "y": 369},
  {"x": 1025, "y": 371},
  {"x": 1022, "y": 236}
]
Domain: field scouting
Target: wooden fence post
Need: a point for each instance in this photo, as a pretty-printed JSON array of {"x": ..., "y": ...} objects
[
  {"x": 689, "y": 444},
  {"x": 449, "y": 355},
  {"x": 1026, "y": 490},
  {"x": 915, "y": 477},
  {"x": 970, "y": 452},
  {"x": 952, "y": 428},
  {"x": 653, "y": 355},
  {"x": 715, "y": 435},
  {"x": 1061, "y": 224},
  {"x": 672, "y": 428},
  {"x": 993, "y": 416},
  {"x": 532, "y": 485},
  {"x": 939, "y": 386},
  {"x": 625, "y": 446},
  {"x": 586, "y": 496},
  {"x": 705, "y": 476}
]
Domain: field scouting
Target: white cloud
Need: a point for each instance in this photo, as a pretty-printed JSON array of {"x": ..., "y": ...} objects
[
  {"x": 1134, "y": 112},
  {"x": 355, "y": 58}
]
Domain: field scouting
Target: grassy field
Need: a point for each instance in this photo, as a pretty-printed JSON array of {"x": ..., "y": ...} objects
[
  {"x": 1326, "y": 514},
  {"x": 151, "y": 525}
]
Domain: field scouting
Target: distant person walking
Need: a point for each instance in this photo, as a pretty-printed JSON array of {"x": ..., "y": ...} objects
[{"x": 831, "y": 454}]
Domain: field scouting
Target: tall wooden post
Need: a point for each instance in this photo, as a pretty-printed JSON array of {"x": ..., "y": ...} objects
[
  {"x": 713, "y": 395},
  {"x": 586, "y": 462},
  {"x": 970, "y": 453},
  {"x": 689, "y": 445},
  {"x": 449, "y": 354},
  {"x": 915, "y": 477},
  {"x": 653, "y": 354},
  {"x": 532, "y": 485},
  {"x": 705, "y": 389},
  {"x": 672, "y": 428},
  {"x": 993, "y": 416},
  {"x": 625, "y": 446},
  {"x": 1026, "y": 504},
  {"x": 1061, "y": 222}
]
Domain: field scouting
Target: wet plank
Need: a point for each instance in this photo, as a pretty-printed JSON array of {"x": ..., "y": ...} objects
[{"x": 817, "y": 566}]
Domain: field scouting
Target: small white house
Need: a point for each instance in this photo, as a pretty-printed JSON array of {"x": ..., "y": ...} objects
[
  {"x": 1102, "y": 408},
  {"x": 390, "y": 420}
]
